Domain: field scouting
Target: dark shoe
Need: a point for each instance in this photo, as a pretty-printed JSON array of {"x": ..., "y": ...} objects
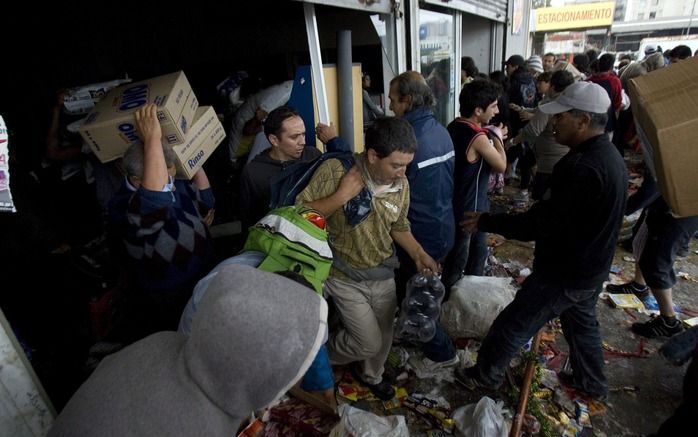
[
  {"x": 468, "y": 379},
  {"x": 383, "y": 390},
  {"x": 632, "y": 287},
  {"x": 658, "y": 326},
  {"x": 567, "y": 379},
  {"x": 682, "y": 252}
]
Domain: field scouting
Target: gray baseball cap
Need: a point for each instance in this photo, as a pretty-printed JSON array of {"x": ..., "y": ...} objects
[{"x": 585, "y": 96}]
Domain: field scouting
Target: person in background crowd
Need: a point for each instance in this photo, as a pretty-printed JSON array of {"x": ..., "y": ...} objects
[
  {"x": 468, "y": 70},
  {"x": 540, "y": 132},
  {"x": 549, "y": 61},
  {"x": 534, "y": 64},
  {"x": 430, "y": 176},
  {"x": 611, "y": 83},
  {"x": 479, "y": 151},
  {"x": 581, "y": 62},
  {"x": 679, "y": 53},
  {"x": 371, "y": 110},
  {"x": 655, "y": 247}
]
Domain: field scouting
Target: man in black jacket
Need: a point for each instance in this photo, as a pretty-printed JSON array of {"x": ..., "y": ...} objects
[
  {"x": 285, "y": 130},
  {"x": 575, "y": 232}
]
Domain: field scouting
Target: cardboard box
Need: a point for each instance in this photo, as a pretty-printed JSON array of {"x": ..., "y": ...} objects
[
  {"x": 665, "y": 106},
  {"x": 110, "y": 127},
  {"x": 205, "y": 135}
]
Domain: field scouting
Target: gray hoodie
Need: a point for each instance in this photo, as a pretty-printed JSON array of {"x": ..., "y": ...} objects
[{"x": 246, "y": 349}]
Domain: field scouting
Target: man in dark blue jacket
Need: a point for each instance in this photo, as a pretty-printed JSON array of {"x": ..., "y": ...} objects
[
  {"x": 575, "y": 232},
  {"x": 431, "y": 195}
]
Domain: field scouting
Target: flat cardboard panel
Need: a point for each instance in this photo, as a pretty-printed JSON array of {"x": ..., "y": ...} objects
[
  {"x": 332, "y": 93},
  {"x": 205, "y": 135},
  {"x": 665, "y": 106},
  {"x": 110, "y": 128}
]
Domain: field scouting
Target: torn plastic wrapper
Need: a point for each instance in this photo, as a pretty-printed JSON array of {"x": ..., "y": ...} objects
[{"x": 6, "y": 203}]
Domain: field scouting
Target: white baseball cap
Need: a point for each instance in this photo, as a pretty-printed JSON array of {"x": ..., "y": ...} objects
[{"x": 585, "y": 96}]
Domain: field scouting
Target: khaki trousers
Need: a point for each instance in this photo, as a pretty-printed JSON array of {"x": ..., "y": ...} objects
[{"x": 367, "y": 310}]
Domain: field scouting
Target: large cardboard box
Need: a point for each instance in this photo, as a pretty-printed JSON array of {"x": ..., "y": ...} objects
[
  {"x": 665, "y": 106},
  {"x": 110, "y": 127},
  {"x": 205, "y": 135}
]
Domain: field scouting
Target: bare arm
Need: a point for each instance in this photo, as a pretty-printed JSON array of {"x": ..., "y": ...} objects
[
  {"x": 350, "y": 185},
  {"x": 492, "y": 152},
  {"x": 200, "y": 180},
  {"x": 154, "y": 167},
  {"x": 421, "y": 259}
]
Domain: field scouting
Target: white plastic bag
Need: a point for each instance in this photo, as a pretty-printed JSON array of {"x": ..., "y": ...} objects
[
  {"x": 484, "y": 419},
  {"x": 474, "y": 304},
  {"x": 359, "y": 423}
]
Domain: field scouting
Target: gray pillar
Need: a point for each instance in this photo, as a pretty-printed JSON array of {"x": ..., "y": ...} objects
[{"x": 344, "y": 86}]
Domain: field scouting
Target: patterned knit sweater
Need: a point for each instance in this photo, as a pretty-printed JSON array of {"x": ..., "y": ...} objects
[{"x": 162, "y": 234}]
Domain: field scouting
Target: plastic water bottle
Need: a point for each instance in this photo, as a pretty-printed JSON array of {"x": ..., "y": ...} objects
[{"x": 421, "y": 308}]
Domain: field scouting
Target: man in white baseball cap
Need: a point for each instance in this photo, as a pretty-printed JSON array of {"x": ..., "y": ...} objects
[{"x": 575, "y": 232}]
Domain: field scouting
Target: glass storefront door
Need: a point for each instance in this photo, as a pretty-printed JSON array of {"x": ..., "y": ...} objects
[{"x": 437, "y": 60}]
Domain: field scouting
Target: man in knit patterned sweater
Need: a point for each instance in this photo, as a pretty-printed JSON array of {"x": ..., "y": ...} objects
[{"x": 162, "y": 227}]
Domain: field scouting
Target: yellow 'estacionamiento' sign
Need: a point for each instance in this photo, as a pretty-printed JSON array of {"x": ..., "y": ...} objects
[{"x": 574, "y": 17}]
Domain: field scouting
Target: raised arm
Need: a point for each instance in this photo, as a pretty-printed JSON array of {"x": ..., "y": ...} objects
[{"x": 155, "y": 174}]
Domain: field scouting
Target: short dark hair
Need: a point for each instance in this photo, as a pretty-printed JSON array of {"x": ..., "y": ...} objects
[
  {"x": 581, "y": 62},
  {"x": 550, "y": 54},
  {"x": 479, "y": 93},
  {"x": 681, "y": 52},
  {"x": 467, "y": 64},
  {"x": 544, "y": 77},
  {"x": 500, "y": 77},
  {"x": 606, "y": 62},
  {"x": 411, "y": 83},
  {"x": 391, "y": 134},
  {"x": 275, "y": 120},
  {"x": 560, "y": 80}
]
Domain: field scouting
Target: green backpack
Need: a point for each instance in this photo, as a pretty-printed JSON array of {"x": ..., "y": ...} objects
[{"x": 292, "y": 243}]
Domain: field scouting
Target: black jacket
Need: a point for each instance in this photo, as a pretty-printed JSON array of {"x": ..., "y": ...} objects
[
  {"x": 577, "y": 228},
  {"x": 255, "y": 184}
]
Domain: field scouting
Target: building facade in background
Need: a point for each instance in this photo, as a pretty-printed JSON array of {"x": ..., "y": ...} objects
[{"x": 569, "y": 26}]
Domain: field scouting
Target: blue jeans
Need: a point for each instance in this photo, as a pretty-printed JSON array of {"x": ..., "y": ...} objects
[
  {"x": 440, "y": 348},
  {"x": 469, "y": 254},
  {"x": 539, "y": 301}
]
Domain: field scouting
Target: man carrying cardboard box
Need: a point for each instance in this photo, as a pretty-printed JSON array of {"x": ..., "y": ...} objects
[{"x": 162, "y": 225}]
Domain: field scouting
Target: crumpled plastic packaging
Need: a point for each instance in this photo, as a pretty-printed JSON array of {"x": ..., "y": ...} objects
[
  {"x": 484, "y": 419},
  {"x": 474, "y": 304},
  {"x": 359, "y": 423}
]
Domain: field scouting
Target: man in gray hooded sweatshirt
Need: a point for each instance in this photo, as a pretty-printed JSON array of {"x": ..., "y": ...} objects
[{"x": 246, "y": 349}]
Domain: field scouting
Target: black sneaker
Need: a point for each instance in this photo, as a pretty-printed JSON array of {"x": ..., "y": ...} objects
[
  {"x": 383, "y": 390},
  {"x": 468, "y": 379},
  {"x": 632, "y": 287},
  {"x": 682, "y": 252},
  {"x": 567, "y": 378},
  {"x": 658, "y": 326}
]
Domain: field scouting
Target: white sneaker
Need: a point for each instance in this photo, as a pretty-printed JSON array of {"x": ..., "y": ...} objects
[{"x": 425, "y": 365}]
